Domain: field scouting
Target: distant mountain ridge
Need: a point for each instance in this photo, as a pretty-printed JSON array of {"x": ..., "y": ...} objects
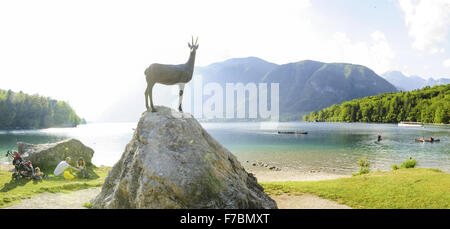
[
  {"x": 310, "y": 85},
  {"x": 409, "y": 83},
  {"x": 244, "y": 70}
]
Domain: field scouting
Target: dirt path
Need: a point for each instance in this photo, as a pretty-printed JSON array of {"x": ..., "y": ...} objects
[
  {"x": 305, "y": 201},
  {"x": 72, "y": 200},
  {"x": 76, "y": 199}
]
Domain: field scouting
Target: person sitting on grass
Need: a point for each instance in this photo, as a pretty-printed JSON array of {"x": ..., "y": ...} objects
[
  {"x": 63, "y": 167},
  {"x": 38, "y": 175},
  {"x": 82, "y": 172}
]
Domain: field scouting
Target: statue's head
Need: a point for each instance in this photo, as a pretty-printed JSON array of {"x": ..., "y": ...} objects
[{"x": 193, "y": 46}]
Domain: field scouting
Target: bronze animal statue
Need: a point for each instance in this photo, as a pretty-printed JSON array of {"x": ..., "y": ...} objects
[{"x": 170, "y": 75}]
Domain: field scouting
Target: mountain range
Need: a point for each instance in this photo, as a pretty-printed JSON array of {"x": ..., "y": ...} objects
[
  {"x": 244, "y": 70},
  {"x": 409, "y": 83},
  {"x": 311, "y": 85},
  {"x": 304, "y": 86}
]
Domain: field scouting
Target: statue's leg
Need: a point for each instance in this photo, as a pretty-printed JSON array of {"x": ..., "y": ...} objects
[
  {"x": 146, "y": 97},
  {"x": 150, "y": 89},
  {"x": 181, "y": 85}
]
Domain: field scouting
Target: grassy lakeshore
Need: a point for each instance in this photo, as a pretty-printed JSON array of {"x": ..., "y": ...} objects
[
  {"x": 12, "y": 192},
  {"x": 400, "y": 189}
]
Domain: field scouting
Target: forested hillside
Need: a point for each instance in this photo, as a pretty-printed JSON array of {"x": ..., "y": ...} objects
[
  {"x": 311, "y": 85},
  {"x": 22, "y": 111},
  {"x": 428, "y": 105}
]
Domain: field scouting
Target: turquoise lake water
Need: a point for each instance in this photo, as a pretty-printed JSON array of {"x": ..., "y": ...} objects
[{"x": 332, "y": 147}]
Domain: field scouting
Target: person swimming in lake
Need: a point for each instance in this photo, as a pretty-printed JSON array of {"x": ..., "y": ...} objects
[
  {"x": 81, "y": 166},
  {"x": 379, "y": 137}
]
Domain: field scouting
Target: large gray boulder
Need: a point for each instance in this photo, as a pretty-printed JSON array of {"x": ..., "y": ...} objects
[
  {"x": 47, "y": 156},
  {"x": 172, "y": 162}
]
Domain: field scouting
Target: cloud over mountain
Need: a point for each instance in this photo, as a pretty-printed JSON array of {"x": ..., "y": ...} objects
[{"x": 428, "y": 23}]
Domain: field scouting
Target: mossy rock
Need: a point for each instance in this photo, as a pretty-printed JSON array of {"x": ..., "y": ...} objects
[
  {"x": 48, "y": 156},
  {"x": 172, "y": 162}
]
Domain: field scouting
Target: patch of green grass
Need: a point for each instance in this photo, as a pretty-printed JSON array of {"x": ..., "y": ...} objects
[
  {"x": 394, "y": 167},
  {"x": 362, "y": 171},
  {"x": 400, "y": 189},
  {"x": 87, "y": 205},
  {"x": 12, "y": 191}
]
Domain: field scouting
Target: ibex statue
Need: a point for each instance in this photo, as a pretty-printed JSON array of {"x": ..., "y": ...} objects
[{"x": 170, "y": 75}]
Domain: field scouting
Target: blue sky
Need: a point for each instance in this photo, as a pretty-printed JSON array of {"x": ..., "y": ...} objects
[{"x": 91, "y": 53}]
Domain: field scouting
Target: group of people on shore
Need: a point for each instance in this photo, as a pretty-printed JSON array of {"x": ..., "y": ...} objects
[{"x": 64, "y": 169}]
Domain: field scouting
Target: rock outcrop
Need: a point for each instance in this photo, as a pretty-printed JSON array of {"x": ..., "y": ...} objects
[
  {"x": 47, "y": 156},
  {"x": 172, "y": 162}
]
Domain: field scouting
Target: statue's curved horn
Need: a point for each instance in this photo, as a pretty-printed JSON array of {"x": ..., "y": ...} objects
[{"x": 196, "y": 41}]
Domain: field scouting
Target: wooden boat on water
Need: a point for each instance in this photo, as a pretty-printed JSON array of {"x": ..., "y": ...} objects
[
  {"x": 292, "y": 132},
  {"x": 427, "y": 140},
  {"x": 411, "y": 124}
]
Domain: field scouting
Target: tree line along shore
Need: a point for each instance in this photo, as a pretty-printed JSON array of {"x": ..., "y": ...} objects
[
  {"x": 23, "y": 111},
  {"x": 427, "y": 105}
]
